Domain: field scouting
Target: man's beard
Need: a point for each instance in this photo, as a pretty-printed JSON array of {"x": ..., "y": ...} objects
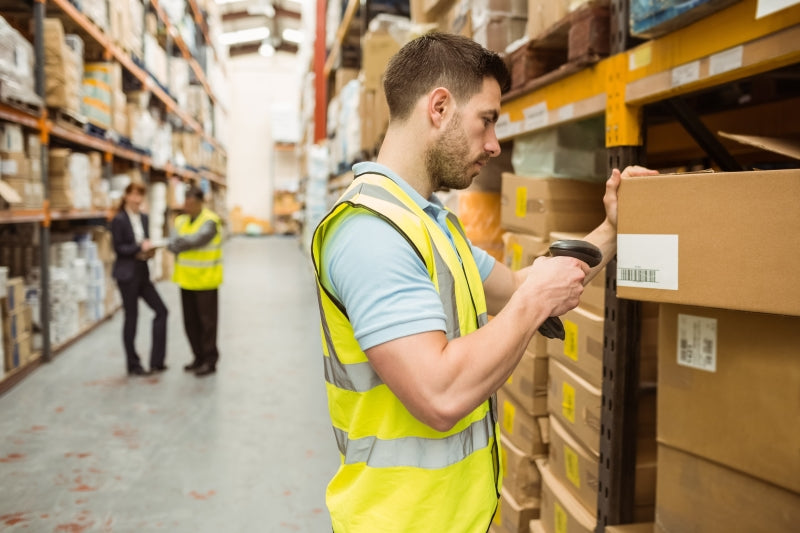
[{"x": 448, "y": 163}]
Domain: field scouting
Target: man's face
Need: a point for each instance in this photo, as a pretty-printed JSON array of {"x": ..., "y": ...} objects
[
  {"x": 192, "y": 206},
  {"x": 467, "y": 142}
]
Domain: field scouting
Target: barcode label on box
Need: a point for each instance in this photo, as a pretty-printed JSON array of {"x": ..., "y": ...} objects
[
  {"x": 697, "y": 342},
  {"x": 647, "y": 261},
  {"x": 688, "y": 73}
]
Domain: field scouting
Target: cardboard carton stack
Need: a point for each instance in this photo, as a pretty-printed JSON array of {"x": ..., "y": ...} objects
[
  {"x": 20, "y": 166},
  {"x": 63, "y": 68},
  {"x": 102, "y": 87},
  {"x": 17, "y": 325},
  {"x": 729, "y": 328},
  {"x": 70, "y": 174},
  {"x": 16, "y": 66},
  {"x": 498, "y": 23}
]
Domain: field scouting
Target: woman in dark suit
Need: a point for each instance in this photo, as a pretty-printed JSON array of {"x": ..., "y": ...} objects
[{"x": 129, "y": 230}]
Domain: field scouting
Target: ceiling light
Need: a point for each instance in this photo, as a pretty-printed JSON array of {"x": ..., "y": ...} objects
[
  {"x": 293, "y": 35},
  {"x": 244, "y": 36}
]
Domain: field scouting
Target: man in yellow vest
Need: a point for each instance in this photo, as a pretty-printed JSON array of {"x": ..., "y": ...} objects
[
  {"x": 197, "y": 243},
  {"x": 411, "y": 362}
]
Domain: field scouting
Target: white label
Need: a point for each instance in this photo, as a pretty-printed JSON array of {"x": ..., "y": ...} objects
[
  {"x": 640, "y": 57},
  {"x": 647, "y": 261},
  {"x": 688, "y": 73},
  {"x": 536, "y": 116},
  {"x": 697, "y": 342},
  {"x": 9, "y": 167},
  {"x": 566, "y": 112},
  {"x": 768, "y": 7},
  {"x": 725, "y": 61},
  {"x": 502, "y": 127}
]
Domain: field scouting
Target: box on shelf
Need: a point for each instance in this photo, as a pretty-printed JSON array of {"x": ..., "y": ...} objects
[
  {"x": 512, "y": 516},
  {"x": 540, "y": 205},
  {"x": 18, "y": 352},
  {"x": 643, "y": 527},
  {"x": 561, "y": 512},
  {"x": 15, "y": 294},
  {"x": 528, "y": 384},
  {"x": 652, "y": 19},
  {"x": 527, "y": 433},
  {"x": 582, "y": 347},
  {"x": 18, "y": 323},
  {"x": 694, "y": 494},
  {"x": 63, "y": 69},
  {"x": 520, "y": 474},
  {"x": 578, "y": 469},
  {"x": 668, "y": 237},
  {"x": 495, "y": 31},
  {"x": 543, "y": 14},
  {"x": 377, "y": 48},
  {"x": 574, "y": 151},
  {"x": 479, "y": 212},
  {"x": 727, "y": 389},
  {"x": 520, "y": 249}
]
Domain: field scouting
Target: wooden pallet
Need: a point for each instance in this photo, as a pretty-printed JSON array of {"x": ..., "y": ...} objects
[
  {"x": 67, "y": 119},
  {"x": 17, "y": 98},
  {"x": 580, "y": 39}
]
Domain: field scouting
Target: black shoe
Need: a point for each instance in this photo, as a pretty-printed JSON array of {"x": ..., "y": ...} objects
[
  {"x": 193, "y": 366},
  {"x": 158, "y": 369},
  {"x": 205, "y": 370},
  {"x": 139, "y": 371}
]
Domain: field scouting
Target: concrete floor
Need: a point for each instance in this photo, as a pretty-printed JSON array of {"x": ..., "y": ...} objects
[{"x": 84, "y": 448}]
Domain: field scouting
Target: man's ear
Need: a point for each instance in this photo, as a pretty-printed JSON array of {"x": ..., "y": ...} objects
[{"x": 440, "y": 105}]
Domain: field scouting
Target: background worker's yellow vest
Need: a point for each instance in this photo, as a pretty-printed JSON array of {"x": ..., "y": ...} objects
[
  {"x": 398, "y": 474},
  {"x": 200, "y": 269}
]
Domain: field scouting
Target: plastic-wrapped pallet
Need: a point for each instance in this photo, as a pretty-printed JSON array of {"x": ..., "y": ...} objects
[
  {"x": 97, "y": 11},
  {"x": 62, "y": 67},
  {"x": 16, "y": 65}
]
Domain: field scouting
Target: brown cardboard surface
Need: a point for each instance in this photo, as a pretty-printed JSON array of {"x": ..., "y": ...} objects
[
  {"x": 575, "y": 403},
  {"x": 561, "y": 512},
  {"x": 734, "y": 232},
  {"x": 15, "y": 293},
  {"x": 578, "y": 469},
  {"x": 647, "y": 527},
  {"x": 540, "y": 205},
  {"x": 528, "y": 384},
  {"x": 520, "y": 428},
  {"x": 376, "y": 50},
  {"x": 17, "y": 323},
  {"x": 520, "y": 249},
  {"x": 520, "y": 474},
  {"x": 787, "y": 147},
  {"x": 513, "y": 517},
  {"x": 745, "y": 413},
  {"x": 582, "y": 347},
  {"x": 695, "y": 495}
]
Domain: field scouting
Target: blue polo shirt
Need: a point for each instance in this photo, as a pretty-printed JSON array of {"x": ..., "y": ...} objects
[{"x": 371, "y": 269}]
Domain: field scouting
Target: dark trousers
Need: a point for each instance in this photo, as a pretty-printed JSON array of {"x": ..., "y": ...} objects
[
  {"x": 200, "y": 321},
  {"x": 141, "y": 287}
]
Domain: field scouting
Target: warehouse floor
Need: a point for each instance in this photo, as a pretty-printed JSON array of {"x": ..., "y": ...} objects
[{"x": 84, "y": 448}]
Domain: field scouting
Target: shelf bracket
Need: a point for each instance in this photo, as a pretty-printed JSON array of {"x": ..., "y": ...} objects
[{"x": 701, "y": 134}]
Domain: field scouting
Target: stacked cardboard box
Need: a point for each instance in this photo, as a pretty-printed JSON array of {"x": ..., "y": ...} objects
[
  {"x": 20, "y": 168},
  {"x": 498, "y": 23},
  {"x": 378, "y": 46},
  {"x": 125, "y": 21},
  {"x": 102, "y": 89},
  {"x": 728, "y": 371},
  {"x": 63, "y": 68},
  {"x": 17, "y": 325},
  {"x": 16, "y": 65},
  {"x": 69, "y": 179}
]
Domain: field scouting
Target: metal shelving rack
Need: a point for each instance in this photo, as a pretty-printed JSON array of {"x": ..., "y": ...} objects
[
  {"x": 725, "y": 47},
  {"x": 48, "y": 129}
]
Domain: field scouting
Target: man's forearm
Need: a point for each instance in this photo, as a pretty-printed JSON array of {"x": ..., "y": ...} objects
[
  {"x": 604, "y": 237},
  {"x": 196, "y": 240}
]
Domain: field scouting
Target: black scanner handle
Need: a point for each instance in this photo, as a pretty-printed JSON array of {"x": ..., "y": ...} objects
[{"x": 553, "y": 328}]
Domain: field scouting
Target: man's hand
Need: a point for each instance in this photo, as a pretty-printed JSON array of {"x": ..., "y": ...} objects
[
  {"x": 557, "y": 282},
  {"x": 610, "y": 198},
  {"x": 146, "y": 246}
]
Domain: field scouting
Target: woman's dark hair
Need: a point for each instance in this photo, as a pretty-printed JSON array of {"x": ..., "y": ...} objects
[
  {"x": 440, "y": 60},
  {"x": 134, "y": 186}
]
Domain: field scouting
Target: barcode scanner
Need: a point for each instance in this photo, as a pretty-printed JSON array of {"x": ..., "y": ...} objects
[{"x": 553, "y": 328}]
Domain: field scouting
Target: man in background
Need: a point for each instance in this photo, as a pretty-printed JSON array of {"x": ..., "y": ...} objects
[{"x": 197, "y": 243}]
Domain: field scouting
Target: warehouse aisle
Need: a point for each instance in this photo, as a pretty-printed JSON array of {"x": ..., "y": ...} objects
[{"x": 84, "y": 448}]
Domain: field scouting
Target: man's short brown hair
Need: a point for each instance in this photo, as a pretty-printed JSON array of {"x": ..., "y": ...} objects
[{"x": 439, "y": 60}]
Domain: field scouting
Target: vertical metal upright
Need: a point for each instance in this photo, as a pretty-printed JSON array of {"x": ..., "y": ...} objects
[
  {"x": 320, "y": 78},
  {"x": 622, "y": 329},
  {"x": 39, "y": 8}
]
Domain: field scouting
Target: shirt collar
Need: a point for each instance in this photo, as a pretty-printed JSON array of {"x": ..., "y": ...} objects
[
  {"x": 131, "y": 214},
  {"x": 370, "y": 167}
]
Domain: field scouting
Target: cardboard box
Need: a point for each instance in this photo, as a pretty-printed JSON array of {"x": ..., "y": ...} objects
[
  {"x": 520, "y": 474},
  {"x": 526, "y": 432},
  {"x": 582, "y": 347},
  {"x": 17, "y": 324},
  {"x": 14, "y": 165},
  {"x": 528, "y": 384},
  {"x": 377, "y": 48},
  {"x": 496, "y": 30},
  {"x": 578, "y": 469},
  {"x": 18, "y": 352},
  {"x": 561, "y": 512},
  {"x": 697, "y": 495},
  {"x": 520, "y": 249},
  {"x": 543, "y": 14},
  {"x": 540, "y": 205},
  {"x": 15, "y": 294},
  {"x": 646, "y": 527},
  {"x": 728, "y": 389},
  {"x": 668, "y": 237},
  {"x": 511, "y": 516}
]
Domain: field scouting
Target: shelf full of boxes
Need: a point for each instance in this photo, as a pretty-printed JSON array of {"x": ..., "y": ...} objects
[
  {"x": 127, "y": 91},
  {"x": 584, "y": 74}
]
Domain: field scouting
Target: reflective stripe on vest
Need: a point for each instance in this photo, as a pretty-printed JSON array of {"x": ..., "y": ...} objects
[
  {"x": 380, "y": 442},
  {"x": 199, "y": 269}
]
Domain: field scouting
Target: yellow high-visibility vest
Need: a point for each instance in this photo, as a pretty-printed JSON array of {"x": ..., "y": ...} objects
[
  {"x": 200, "y": 269},
  {"x": 398, "y": 474}
]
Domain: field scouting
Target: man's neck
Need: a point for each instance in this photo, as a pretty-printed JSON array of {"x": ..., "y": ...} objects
[{"x": 406, "y": 159}]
